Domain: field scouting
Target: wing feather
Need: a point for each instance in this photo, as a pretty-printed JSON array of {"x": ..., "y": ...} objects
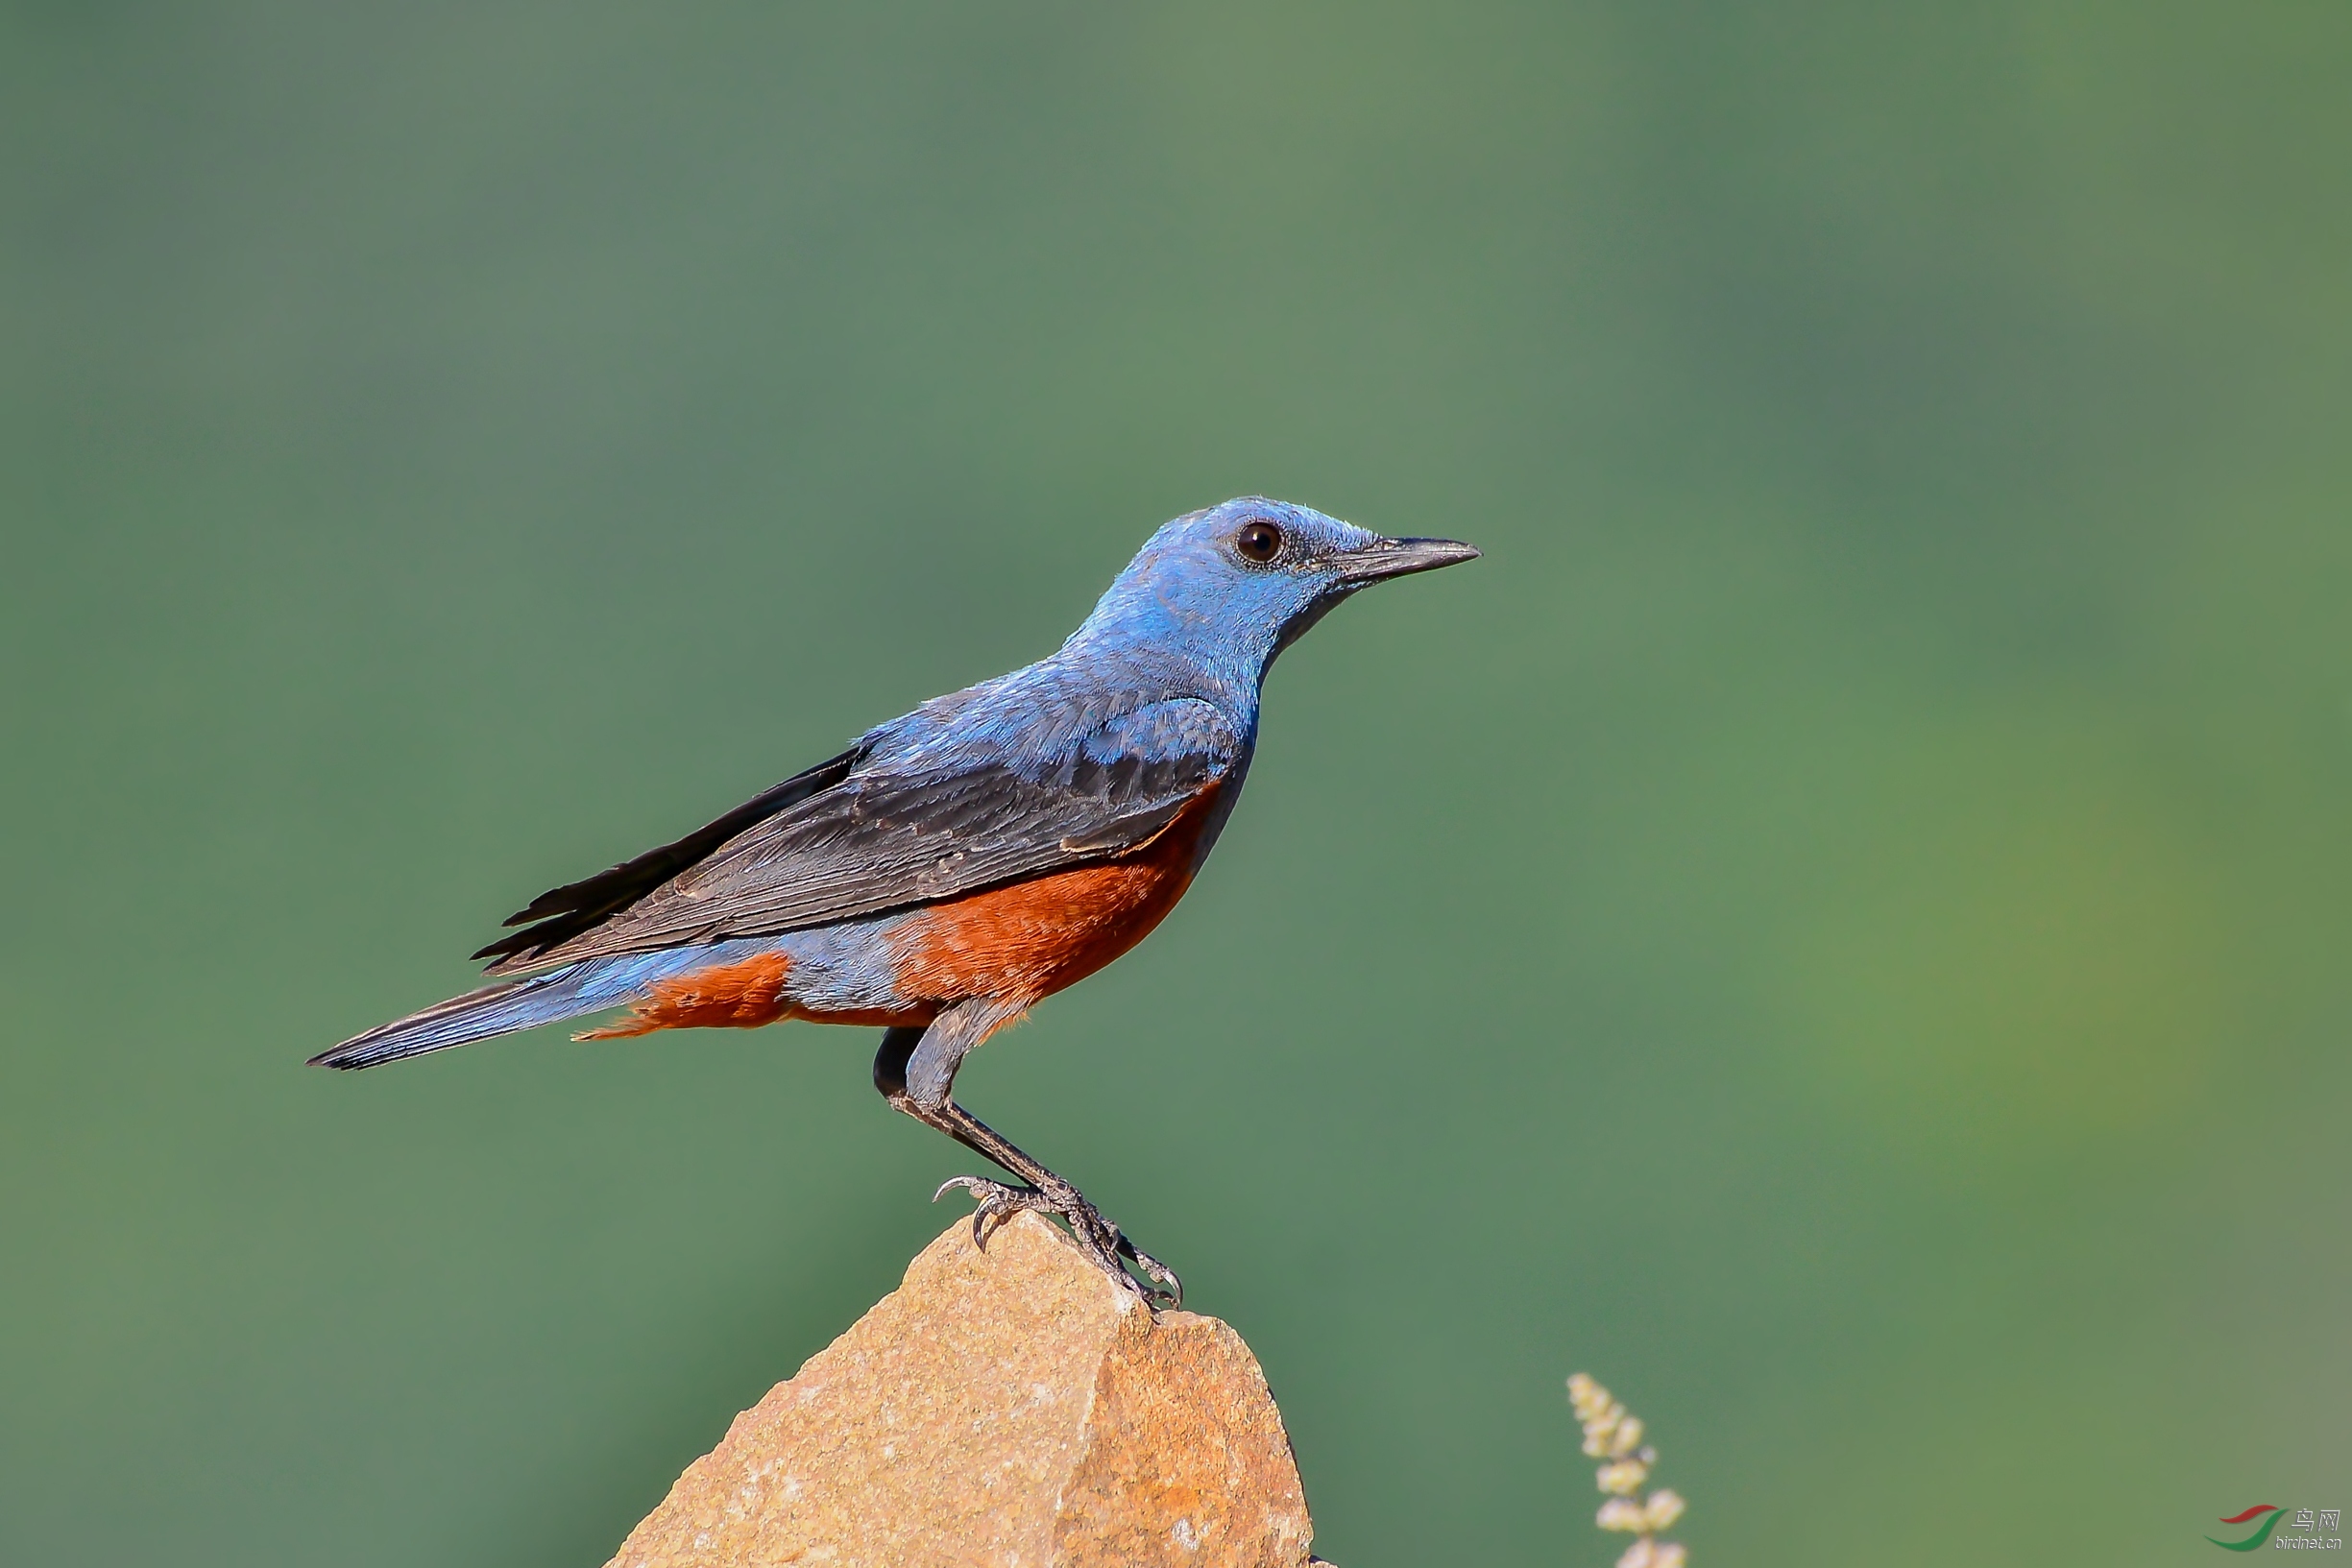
[
  {"x": 564, "y": 913},
  {"x": 874, "y": 841}
]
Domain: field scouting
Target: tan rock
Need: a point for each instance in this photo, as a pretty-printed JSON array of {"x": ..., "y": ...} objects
[{"x": 1012, "y": 1408}]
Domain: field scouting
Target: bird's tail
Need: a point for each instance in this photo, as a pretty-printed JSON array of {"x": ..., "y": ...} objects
[{"x": 588, "y": 987}]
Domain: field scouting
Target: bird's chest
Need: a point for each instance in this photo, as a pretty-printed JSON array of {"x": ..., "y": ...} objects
[{"x": 1028, "y": 940}]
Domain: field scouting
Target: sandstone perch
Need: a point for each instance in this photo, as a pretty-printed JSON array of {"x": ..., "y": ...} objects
[{"x": 1011, "y": 1408}]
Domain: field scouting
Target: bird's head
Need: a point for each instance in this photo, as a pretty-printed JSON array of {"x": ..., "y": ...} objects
[{"x": 1236, "y": 584}]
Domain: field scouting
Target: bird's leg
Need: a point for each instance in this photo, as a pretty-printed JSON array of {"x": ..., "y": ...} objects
[
  {"x": 915, "y": 1070},
  {"x": 1103, "y": 1241}
]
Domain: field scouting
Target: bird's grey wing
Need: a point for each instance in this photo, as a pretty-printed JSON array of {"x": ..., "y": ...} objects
[
  {"x": 880, "y": 840},
  {"x": 565, "y": 911}
]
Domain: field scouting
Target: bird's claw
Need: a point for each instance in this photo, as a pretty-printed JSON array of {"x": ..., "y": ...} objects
[
  {"x": 996, "y": 1203},
  {"x": 1170, "y": 1289},
  {"x": 1102, "y": 1242}
]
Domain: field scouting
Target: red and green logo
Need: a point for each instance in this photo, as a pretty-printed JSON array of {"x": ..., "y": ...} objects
[{"x": 2271, "y": 1512}]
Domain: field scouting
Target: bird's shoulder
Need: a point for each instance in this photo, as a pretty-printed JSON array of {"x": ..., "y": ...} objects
[{"x": 1052, "y": 722}]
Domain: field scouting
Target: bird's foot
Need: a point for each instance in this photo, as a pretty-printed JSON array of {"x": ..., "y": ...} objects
[{"x": 1101, "y": 1240}]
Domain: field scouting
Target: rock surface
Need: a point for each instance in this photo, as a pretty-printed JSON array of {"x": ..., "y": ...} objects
[{"x": 1010, "y": 1408}]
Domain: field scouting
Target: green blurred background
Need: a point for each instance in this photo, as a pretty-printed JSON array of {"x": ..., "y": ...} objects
[{"x": 1836, "y": 925}]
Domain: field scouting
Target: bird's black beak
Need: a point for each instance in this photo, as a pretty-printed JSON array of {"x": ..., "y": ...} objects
[{"x": 1386, "y": 558}]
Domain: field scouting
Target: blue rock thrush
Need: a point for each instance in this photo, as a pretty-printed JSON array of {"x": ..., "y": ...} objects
[{"x": 957, "y": 865}]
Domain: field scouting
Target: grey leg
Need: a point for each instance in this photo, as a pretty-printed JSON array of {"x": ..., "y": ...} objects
[{"x": 916, "y": 1071}]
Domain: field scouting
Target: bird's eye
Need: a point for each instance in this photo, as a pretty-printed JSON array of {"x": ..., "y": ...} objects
[{"x": 1258, "y": 541}]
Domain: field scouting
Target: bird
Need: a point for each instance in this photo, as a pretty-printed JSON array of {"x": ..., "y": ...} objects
[{"x": 959, "y": 865}]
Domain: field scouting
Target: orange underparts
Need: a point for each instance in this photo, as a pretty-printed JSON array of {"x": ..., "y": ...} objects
[
  {"x": 737, "y": 996},
  {"x": 1029, "y": 940},
  {"x": 1017, "y": 943}
]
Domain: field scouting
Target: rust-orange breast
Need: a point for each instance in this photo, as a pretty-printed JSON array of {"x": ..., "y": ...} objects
[{"x": 1029, "y": 940}]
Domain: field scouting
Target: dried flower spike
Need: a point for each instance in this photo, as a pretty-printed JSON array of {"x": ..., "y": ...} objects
[
  {"x": 1614, "y": 1434},
  {"x": 1623, "y": 1477},
  {"x": 1623, "y": 1514}
]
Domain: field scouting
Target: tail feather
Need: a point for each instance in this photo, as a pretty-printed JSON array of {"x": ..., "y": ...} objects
[{"x": 508, "y": 1005}]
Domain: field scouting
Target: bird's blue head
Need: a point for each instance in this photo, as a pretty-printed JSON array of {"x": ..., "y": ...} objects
[{"x": 1232, "y": 587}]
